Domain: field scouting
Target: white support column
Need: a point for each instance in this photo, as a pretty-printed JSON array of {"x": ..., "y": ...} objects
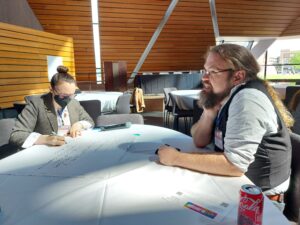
[
  {"x": 214, "y": 18},
  {"x": 262, "y": 46},
  {"x": 153, "y": 40}
]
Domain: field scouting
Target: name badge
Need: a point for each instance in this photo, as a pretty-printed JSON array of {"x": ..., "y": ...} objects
[
  {"x": 63, "y": 130},
  {"x": 218, "y": 139}
]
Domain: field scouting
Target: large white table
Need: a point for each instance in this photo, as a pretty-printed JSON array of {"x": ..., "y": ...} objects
[
  {"x": 185, "y": 98},
  {"x": 108, "y": 99},
  {"x": 112, "y": 178}
]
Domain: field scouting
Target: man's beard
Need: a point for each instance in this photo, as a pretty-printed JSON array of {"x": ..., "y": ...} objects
[{"x": 208, "y": 99}]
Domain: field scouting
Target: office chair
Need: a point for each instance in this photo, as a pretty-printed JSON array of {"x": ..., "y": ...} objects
[
  {"x": 6, "y": 127},
  {"x": 179, "y": 113},
  {"x": 292, "y": 196},
  {"x": 109, "y": 119},
  {"x": 92, "y": 107},
  {"x": 289, "y": 92},
  {"x": 123, "y": 104},
  {"x": 168, "y": 104}
]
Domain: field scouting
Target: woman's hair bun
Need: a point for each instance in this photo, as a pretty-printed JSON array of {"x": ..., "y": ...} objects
[{"x": 62, "y": 69}]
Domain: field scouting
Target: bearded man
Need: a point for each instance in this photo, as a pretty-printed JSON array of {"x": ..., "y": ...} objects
[{"x": 244, "y": 119}]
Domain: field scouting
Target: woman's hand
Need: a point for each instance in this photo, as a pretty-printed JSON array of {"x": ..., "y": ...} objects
[
  {"x": 52, "y": 140},
  {"x": 76, "y": 129}
]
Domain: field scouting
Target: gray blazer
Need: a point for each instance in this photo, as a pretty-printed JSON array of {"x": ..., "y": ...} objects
[{"x": 39, "y": 116}]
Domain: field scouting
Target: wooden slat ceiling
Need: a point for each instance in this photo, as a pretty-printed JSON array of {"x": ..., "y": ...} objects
[
  {"x": 293, "y": 29},
  {"x": 127, "y": 26},
  {"x": 258, "y": 18}
]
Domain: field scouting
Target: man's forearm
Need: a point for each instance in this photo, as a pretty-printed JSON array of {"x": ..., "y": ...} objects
[
  {"x": 212, "y": 163},
  {"x": 202, "y": 130}
]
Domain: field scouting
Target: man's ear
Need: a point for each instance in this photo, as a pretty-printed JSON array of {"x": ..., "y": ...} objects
[{"x": 239, "y": 77}]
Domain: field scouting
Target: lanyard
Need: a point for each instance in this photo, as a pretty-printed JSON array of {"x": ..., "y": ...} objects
[
  {"x": 219, "y": 118},
  {"x": 60, "y": 113}
]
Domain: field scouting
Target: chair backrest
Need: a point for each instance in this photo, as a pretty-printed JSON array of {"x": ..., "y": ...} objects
[
  {"x": 292, "y": 196},
  {"x": 6, "y": 126},
  {"x": 123, "y": 104},
  {"x": 19, "y": 106},
  {"x": 92, "y": 107},
  {"x": 104, "y": 120},
  {"x": 289, "y": 92},
  {"x": 168, "y": 90}
]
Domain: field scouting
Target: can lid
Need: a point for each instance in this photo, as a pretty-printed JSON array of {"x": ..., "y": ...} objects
[{"x": 251, "y": 189}]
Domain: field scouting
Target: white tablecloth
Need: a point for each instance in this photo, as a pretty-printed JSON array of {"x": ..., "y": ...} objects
[
  {"x": 108, "y": 99},
  {"x": 185, "y": 98},
  {"x": 112, "y": 178}
]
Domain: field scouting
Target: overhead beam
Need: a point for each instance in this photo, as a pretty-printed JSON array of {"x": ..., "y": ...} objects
[
  {"x": 153, "y": 40},
  {"x": 18, "y": 12},
  {"x": 262, "y": 46},
  {"x": 214, "y": 18}
]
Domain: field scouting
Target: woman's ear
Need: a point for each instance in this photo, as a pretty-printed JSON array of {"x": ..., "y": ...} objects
[{"x": 239, "y": 77}]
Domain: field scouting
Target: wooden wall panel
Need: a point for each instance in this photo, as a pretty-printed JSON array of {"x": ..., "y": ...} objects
[
  {"x": 127, "y": 27},
  {"x": 71, "y": 18},
  {"x": 256, "y": 18},
  {"x": 23, "y": 61}
]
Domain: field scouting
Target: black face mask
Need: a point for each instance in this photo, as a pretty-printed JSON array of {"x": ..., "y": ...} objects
[{"x": 63, "y": 102}]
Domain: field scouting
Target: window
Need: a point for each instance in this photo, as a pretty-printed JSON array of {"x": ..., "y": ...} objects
[
  {"x": 281, "y": 61},
  {"x": 96, "y": 35}
]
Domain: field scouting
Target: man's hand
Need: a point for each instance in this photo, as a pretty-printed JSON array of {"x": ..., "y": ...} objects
[
  {"x": 76, "y": 129},
  {"x": 52, "y": 140},
  {"x": 168, "y": 155},
  {"x": 213, "y": 111}
]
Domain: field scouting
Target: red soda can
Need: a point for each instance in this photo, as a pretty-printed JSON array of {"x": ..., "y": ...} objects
[{"x": 251, "y": 205}]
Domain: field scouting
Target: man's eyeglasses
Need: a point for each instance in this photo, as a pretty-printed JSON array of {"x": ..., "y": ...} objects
[{"x": 214, "y": 72}]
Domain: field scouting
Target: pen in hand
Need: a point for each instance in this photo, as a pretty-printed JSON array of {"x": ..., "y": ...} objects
[{"x": 53, "y": 134}]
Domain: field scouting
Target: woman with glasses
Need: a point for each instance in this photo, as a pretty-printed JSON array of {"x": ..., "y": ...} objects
[{"x": 49, "y": 118}]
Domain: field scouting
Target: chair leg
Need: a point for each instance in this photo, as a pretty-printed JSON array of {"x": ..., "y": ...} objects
[
  {"x": 185, "y": 125},
  {"x": 175, "y": 122},
  {"x": 167, "y": 119}
]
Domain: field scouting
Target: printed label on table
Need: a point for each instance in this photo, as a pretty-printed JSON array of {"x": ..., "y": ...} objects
[{"x": 210, "y": 208}]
